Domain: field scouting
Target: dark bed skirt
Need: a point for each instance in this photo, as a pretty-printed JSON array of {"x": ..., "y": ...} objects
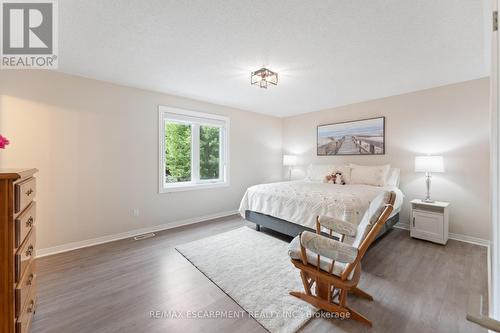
[{"x": 293, "y": 229}]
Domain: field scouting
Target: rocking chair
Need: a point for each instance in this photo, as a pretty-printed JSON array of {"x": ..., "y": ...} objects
[{"x": 334, "y": 267}]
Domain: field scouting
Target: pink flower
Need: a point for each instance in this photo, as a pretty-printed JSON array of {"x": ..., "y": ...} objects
[{"x": 3, "y": 142}]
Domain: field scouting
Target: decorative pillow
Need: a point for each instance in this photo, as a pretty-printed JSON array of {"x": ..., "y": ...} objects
[
  {"x": 369, "y": 175},
  {"x": 318, "y": 172}
]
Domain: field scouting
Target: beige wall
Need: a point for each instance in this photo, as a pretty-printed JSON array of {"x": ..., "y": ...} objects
[
  {"x": 96, "y": 146},
  {"x": 451, "y": 120}
]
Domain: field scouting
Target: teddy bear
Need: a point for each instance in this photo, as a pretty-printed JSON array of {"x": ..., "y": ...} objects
[
  {"x": 338, "y": 179},
  {"x": 330, "y": 178},
  {"x": 335, "y": 178}
]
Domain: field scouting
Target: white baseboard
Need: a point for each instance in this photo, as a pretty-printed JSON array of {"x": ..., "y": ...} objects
[
  {"x": 458, "y": 237},
  {"x": 132, "y": 233}
]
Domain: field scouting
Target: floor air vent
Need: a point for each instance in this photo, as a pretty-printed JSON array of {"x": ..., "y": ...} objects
[{"x": 141, "y": 237}]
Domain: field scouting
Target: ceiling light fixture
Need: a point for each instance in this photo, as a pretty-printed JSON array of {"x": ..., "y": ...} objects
[{"x": 264, "y": 76}]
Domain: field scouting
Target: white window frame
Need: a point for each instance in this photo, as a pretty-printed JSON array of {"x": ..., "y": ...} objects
[{"x": 196, "y": 119}]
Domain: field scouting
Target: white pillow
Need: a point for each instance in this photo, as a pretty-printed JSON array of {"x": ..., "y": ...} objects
[
  {"x": 318, "y": 172},
  {"x": 393, "y": 178},
  {"x": 369, "y": 175}
]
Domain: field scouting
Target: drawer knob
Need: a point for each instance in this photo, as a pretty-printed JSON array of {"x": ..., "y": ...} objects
[
  {"x": 31, "y": 307},
  {"x": 29, "y": 192},
  {"x": 30, "y": 221},
  {"x": 30, "y": 279},
  {"x": 29, "y": 251}
]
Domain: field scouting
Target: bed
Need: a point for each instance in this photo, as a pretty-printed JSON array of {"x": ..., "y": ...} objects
[{"x": 291, "y": 207}]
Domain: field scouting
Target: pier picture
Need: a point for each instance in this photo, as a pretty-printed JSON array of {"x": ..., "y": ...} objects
[{"x": 360, "y": 137}]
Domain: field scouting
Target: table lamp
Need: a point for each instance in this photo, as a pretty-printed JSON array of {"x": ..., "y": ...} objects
[
  {"x": 289, "y": 161},
  {"x": 428, "y": 164}
]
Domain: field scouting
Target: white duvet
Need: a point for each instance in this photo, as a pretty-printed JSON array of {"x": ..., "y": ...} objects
[{"x": 301, "y": 201}]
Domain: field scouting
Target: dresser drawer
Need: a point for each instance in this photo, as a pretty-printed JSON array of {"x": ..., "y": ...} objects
[
  {"x": 24, "y": 193},
  {"x": 24, "y": 223},
  {"x": 23, "y": 322},
  {"x": 25, "y": 255},
  {"x": 23, "y": 289}
]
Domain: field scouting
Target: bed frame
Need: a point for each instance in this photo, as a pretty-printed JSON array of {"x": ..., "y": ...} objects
[{"x": 293, "y": 229}]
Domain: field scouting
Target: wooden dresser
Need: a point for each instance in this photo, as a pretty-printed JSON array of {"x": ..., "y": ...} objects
[{"x": 17, "y": 250}]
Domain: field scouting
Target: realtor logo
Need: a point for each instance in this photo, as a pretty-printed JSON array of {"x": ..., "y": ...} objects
[{"x": 29, "y": 34}]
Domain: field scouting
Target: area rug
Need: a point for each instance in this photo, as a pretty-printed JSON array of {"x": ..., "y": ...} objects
[{"x": 255, "y": 271}]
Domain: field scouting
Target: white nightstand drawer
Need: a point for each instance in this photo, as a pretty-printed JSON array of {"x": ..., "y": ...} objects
[{"x": 429, "y": 221}]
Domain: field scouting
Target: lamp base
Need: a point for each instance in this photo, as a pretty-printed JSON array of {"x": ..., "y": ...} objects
[{"x": 428, "y": 186}]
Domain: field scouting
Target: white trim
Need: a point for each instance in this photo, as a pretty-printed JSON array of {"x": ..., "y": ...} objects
[
  {"x": 490, "y": 248},
  {"x": 494, "y": 273},
  {"x": 184, "y": 112},
  {"x": 128, "y": 234},
  {"x": 161, "y": 151},
  {"x": 201, "y": 118},
  {"x": 188, "y": 186},
  {"x": 195, "y": 156},
  {"x": 457, "y": 237}
]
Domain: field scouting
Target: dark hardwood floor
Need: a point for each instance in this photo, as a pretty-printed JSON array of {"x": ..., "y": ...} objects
[{"x": 417, "y": 286}]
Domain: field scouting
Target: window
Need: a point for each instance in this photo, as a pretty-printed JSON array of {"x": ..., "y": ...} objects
[{"x": 193, "y": 150}]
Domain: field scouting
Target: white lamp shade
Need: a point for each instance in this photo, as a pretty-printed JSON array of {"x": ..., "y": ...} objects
[
  {"x": 289, "y": 160},
  {"x": 429, "y": 164}
]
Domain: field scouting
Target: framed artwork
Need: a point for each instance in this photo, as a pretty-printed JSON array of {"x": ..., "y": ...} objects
[{"x": 359, "y": 137}]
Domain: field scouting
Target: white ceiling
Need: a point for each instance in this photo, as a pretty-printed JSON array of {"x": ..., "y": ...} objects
[{"x": 327, "y": 53}]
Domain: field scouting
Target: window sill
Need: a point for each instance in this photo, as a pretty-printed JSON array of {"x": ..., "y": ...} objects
[{"x": 192, "y": 187}]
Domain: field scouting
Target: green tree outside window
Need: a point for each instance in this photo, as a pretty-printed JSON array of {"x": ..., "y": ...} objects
[
  {"x": 209, "y": 152},
  {"x": 178, "y": 152}
]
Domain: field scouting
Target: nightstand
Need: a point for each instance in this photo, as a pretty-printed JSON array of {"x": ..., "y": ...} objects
[{"x": 429, "y": 220}]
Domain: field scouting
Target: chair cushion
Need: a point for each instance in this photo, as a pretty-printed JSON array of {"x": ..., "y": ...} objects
[
  {"x": 327, "y": 247},
  {"x": 371, "y": 216},
  {"x": 324, "y": 263},
  {"x": 338, "y": 226}
]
